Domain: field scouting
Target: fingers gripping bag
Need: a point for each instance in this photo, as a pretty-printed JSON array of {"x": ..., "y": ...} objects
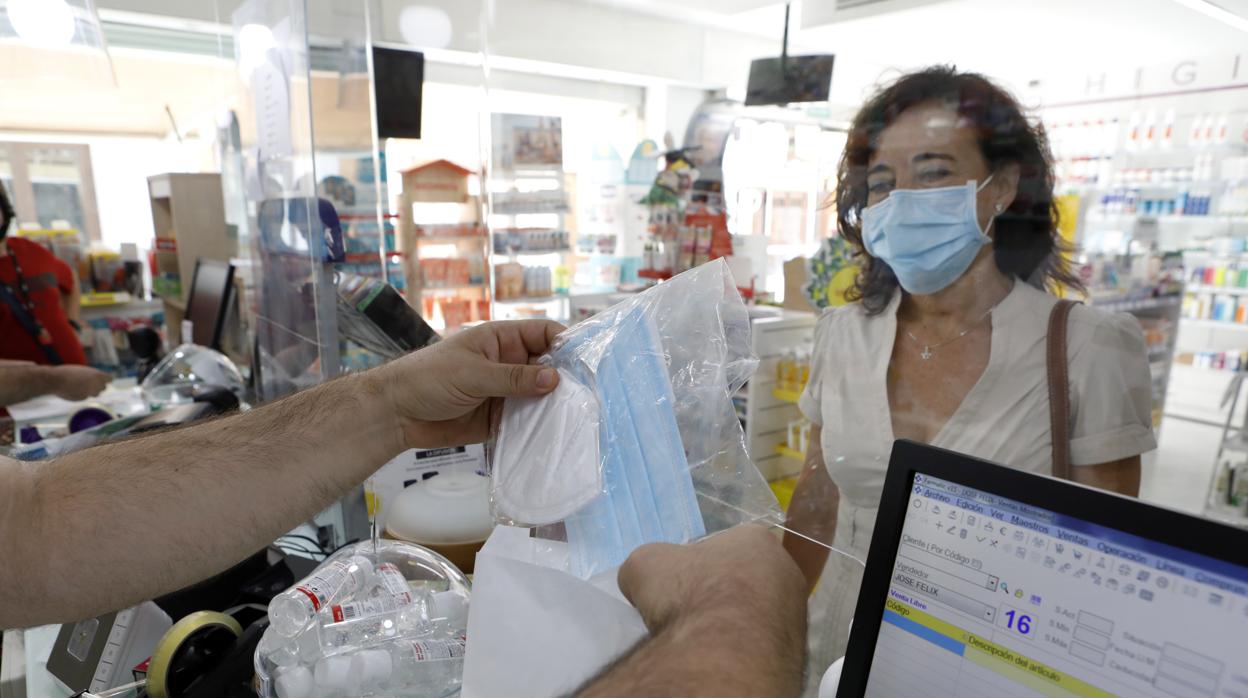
[{"x": 640, "y": 442}]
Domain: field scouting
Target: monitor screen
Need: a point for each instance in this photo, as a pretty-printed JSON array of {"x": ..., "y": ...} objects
[
  {"x": 795, "y": 79},
  {"x": 993, "y": 597},
  {"x": 398, "y": 77},
  {"x": 206, "y": 306}
]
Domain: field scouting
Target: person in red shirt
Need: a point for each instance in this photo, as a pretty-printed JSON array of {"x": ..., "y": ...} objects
[{"x": 38, "y": 299}]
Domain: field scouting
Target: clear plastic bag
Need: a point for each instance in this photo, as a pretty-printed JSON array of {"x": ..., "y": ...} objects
[
  {"x": 693, "y": 333},
  {"x": 652, "y": 377}
]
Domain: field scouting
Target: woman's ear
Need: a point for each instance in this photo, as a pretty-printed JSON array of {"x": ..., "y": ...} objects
[{"x": 1004, "y": 186}]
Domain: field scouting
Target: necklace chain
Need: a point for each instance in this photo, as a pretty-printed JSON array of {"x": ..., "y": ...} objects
[{"x": 928, "y": 352}]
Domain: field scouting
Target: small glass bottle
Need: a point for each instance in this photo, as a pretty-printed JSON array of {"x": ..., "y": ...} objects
[
  {"x": 291, "y": 611},
  {"x": 426, "y": 667},
  {"x": 380, "y": 618}
]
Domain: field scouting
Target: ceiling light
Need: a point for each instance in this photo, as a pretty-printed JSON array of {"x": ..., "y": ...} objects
[
  {"x": 44, "y": 23},
  {"x": 1211, "y": 10},
  {"x": 425, "y": 27},
  {"x": 254, "y": 43}
]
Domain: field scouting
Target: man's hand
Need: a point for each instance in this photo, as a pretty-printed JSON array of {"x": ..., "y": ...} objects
[
  {"x": 666, "y": 581},
  {"x": 727, "y": 617},
  {"x": 77, "y": 382},
  {"x": 447, "y": 394}
]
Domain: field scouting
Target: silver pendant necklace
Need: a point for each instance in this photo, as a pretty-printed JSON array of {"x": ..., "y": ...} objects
[{"x": 929, "y": 349}]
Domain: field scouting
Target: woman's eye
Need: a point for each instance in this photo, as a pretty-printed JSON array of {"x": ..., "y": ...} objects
[
  {"x": 880, "y": 187},
  {"x": 933, "y": 175}
]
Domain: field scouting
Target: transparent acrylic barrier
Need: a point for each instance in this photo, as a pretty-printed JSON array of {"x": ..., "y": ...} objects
[
  {"x": 289, "y": 289},
  {"x": 641, "y": 444}
]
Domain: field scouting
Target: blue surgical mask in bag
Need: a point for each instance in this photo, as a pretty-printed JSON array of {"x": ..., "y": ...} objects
[{"x": 648, "y": 490}]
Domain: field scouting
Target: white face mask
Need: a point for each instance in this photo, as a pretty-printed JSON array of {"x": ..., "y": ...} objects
[{"x": 546, "y": 464}]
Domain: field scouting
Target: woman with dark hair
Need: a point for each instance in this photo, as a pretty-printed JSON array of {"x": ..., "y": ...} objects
[{"x": 947, "y": 192}]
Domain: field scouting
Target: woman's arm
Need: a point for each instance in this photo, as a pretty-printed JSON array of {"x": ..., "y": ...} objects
[
  {"x": 1121, "y": 476},
  {"x": 71, "y": 303},
  {"x": 812, "y": 513}
]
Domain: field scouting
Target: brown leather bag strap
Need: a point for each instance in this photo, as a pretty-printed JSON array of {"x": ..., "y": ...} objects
[{"x": 1059, "y": 388}]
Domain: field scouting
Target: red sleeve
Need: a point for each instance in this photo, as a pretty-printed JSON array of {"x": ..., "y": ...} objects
[{"x": 64, "y": 276}]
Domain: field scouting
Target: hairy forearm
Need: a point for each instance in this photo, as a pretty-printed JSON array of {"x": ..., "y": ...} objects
[
  {"x": 92, "y": 530},
  {"x": 21, "y": 383},
  {"x": 738, "y": 648}
]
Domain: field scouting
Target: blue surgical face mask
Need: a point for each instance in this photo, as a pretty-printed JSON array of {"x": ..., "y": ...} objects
[
  {"x": 648, "y": 494},
  {"x": 928, "y": 237}
]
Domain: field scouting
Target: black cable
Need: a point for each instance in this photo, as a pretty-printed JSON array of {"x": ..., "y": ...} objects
[
  {"x": 309, "y": 539},
  {"x": 353, "y": 541},
  {"x": 296, "y": 550},
  {"x": 784, "y": 48}
]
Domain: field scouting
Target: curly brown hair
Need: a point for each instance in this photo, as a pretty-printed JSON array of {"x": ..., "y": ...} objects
[{"x": 1026, "y": 243}]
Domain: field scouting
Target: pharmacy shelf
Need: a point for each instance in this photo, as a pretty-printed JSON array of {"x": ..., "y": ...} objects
[
  {"x": 1215, "y": 254},
  {"x": 451, "y": 238},
  {"x": 1113, "y": 218},
  {"x": 531, "y": 299},
  {"x": 101, "y": 300},
  {"x": 1119, "y": 306},
  {"x": 1219, "y": 324},
  {"x": 789, "y": 452},
  {"x": 792, "y": 396},
  {"x": 783, "y": 489},
  {"x": 1231, "y": 290},
  {"x": 533, "y": 253},
  {"x": 450, "y": 287}
]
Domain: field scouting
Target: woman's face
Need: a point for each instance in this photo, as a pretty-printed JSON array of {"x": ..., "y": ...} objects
[{"x": 929, "y": 146}]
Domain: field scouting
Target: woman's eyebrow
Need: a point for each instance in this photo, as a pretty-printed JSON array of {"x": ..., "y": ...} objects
[
  {"x": 923, "y": 157},
  {"x": 879, "y": 168}
]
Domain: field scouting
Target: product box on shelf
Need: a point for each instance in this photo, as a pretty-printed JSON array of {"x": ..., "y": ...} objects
[{"x": 508, "y": 280}]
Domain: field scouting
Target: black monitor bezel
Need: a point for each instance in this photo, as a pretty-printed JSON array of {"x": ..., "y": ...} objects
[
  {"x": 1199, "y": 535},
  {"x": 218, "y": 323}
]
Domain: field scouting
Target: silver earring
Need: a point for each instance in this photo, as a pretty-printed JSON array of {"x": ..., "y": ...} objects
[{"x": 1000, "y": 208}]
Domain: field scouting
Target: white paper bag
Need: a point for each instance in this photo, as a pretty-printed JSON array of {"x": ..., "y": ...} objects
[{"x": 535, "y": 630}]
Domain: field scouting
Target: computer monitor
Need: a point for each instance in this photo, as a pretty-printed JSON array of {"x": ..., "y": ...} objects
[
  {"x": 398, "y": 81},
  {"x": 209, "y": 302},
  {"x": 987, "y": 581}
]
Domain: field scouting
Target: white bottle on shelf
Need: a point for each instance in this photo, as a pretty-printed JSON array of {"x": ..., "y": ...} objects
[
  {"x": 1167, "y": 130},
  {"x": 1149, "y": 138},
  {"x": 1194, "y": 136},
  {"x": 1133, "y": 133}
]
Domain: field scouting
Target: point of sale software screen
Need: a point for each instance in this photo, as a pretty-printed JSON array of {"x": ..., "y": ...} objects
[{"x": 993, "y": 597}]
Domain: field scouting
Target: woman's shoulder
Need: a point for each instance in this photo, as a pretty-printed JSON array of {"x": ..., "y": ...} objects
[
  {"x": 1104, "y": 341},
  {"x": 34, "y": 256},
  {"x": 1085, "y": 320},
  {"x": 843, "y": 315},
  {"x": 1090, "y": 323},
  {"x": 28, "y": 248},
  {"x": 846, "y": 326}
]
